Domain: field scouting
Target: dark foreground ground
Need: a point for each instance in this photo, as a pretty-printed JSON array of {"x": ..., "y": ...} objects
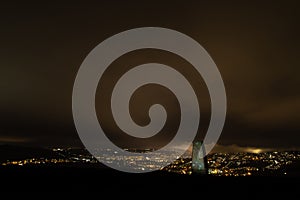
[{"x": 77, "y": 181}]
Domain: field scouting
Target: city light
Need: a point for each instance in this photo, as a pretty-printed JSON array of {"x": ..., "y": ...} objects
[{"x": 219, "y": 164}]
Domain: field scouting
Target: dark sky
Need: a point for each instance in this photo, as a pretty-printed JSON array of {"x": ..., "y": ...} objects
[{"x": 255, "y": 46}]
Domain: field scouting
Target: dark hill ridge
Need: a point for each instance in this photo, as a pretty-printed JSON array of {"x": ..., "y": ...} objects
[
  {"x": 79, "y": 180},
  {"x": 13, "y": 152}
]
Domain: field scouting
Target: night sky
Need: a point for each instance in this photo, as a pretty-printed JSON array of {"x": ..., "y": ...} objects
[{"x": 254, "y": 45}]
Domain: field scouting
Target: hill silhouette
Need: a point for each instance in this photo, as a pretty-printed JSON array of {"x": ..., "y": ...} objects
[{"x": 14, "y": 152}]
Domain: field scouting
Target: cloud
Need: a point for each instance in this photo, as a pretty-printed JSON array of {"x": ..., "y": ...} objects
[
  {"x": 257, "y": 57},
  {"x": 6, "y": 139},
  {"x": 235, "y": 148},
  {"x": 279, "y": 112}
]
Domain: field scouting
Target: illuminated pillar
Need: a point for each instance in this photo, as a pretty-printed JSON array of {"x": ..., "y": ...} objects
[{"x": 199, "y": 163}]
